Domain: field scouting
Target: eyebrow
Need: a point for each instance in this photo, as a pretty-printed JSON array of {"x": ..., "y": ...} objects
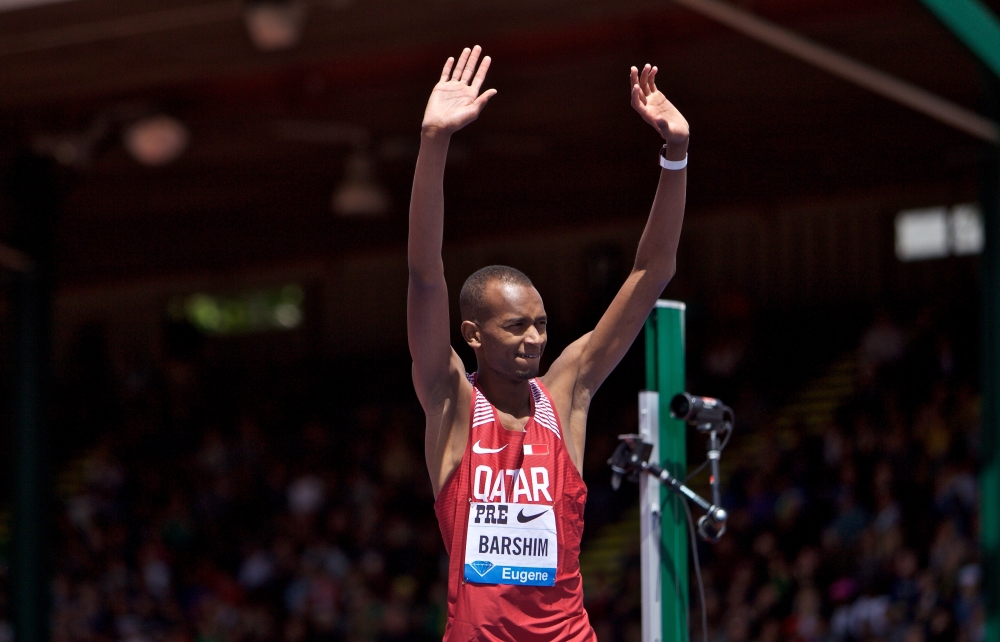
[{"x": 513, "y": 320}]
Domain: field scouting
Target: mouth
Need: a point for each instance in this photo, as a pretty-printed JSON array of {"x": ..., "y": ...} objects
[{"x": 524, "y": 355}]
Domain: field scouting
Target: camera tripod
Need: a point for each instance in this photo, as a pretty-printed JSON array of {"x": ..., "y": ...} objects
[{"x": 711, "y": 417}]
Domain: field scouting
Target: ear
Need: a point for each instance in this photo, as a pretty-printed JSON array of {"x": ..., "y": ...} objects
[{"x": 470, "y": 332}]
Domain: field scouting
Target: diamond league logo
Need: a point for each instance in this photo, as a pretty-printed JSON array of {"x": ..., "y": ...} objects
[{"x": 481, "y": 566}]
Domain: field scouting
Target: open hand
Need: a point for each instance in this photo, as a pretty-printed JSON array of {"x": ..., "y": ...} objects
[
  {"x": 455, "y": 101},
  {"x": 655, "y": 109}
]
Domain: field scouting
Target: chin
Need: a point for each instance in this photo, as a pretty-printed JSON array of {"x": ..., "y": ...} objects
[{"x": 524, "y": 375}]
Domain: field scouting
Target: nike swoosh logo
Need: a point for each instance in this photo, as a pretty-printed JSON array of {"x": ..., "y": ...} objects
[
  {"x": 479, "y": 450},
  {"x": 524, "y": 519}
]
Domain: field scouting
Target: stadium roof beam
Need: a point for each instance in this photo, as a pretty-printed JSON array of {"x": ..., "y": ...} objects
[
  {"x": 11, "y": 5},
  {"x": 838, "y": 64},
  {"x": 123, "y": 27},
  {"x": 974, "y": 24}
]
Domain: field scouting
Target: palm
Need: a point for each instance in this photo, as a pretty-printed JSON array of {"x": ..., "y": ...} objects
[
  {"x": 654, "y": 107},
  {"x": 452, "y": 105},
  {"x": 455, "y": 101}
]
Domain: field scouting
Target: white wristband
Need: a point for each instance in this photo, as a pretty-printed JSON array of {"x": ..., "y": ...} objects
[{"x": 669, "y": 164}]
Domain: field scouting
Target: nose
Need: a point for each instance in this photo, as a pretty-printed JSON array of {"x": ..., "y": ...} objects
[{"x": 533, "y": 336}]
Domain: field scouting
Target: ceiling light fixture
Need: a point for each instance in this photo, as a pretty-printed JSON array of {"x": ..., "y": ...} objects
[
  {"x": 274, "y": 25},
  {"x": 359, "y": 194},
  {"x": 155, "y": 140}
]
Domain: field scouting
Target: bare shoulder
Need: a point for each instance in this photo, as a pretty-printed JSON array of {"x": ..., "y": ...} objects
[{"x": 447, "y": 424}]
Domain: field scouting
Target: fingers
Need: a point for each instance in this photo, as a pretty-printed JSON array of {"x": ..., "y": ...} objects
[
  {"x": 460, "y": 66},
  {"x": 638, "y": 97},
  {"x": 470, "y": 66},
  {"x": 485, "y": 98},
  {"x": 466, "y": 66},
  {"x": 644, "y": 79},
  {"x": 447, "y": 68},
  {"x": 484, "y": 66}
]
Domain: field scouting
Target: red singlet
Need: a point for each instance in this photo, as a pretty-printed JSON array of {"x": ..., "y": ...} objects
[{"x": 513, "y": 469}]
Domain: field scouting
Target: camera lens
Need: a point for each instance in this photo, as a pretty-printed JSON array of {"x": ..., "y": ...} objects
[{"x": 680, "y": 406}]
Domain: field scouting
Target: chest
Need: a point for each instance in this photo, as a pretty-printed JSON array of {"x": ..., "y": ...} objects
[
  {"x": 516, "y": 466},
  {"x": 511, "y": 422}
]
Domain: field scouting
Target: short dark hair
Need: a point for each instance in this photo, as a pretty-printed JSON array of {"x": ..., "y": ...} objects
[{"x": 472, "y": 299}]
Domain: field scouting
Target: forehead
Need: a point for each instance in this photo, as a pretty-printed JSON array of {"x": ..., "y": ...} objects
[{"x": 512, "y": 299}]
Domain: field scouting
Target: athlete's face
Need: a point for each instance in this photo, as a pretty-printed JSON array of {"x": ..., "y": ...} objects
[{"x": 510, "y": 341}]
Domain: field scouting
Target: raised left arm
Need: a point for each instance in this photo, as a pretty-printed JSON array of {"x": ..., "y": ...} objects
[{"x": 580, "y": 371}]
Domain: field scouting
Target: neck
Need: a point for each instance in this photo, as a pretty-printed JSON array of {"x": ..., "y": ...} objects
[{"x": 511, "y": 396}]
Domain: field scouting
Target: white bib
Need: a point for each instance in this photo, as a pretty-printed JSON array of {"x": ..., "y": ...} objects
[{"x": 511, "y": 544}]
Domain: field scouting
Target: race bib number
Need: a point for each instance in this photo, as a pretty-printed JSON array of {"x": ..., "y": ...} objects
[{"x": 511, "y": 544}]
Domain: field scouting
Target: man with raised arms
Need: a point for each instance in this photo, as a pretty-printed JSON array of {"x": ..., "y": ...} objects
[{"x": 504, "y": 446}]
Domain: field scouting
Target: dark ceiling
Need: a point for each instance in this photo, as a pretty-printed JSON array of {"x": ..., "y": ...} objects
[{"x": 559, "y": 146}]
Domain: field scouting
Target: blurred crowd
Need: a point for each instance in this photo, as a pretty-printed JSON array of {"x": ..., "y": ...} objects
[
  {"x": 286, "y": 503},
  {"x": 221, "y": 504},
  {"x": 860, "y": 529}
]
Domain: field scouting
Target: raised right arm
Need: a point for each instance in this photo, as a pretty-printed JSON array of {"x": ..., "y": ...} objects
[
  {"x": 438, "y": 374},
  {"x": 427, "y": 296}
]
